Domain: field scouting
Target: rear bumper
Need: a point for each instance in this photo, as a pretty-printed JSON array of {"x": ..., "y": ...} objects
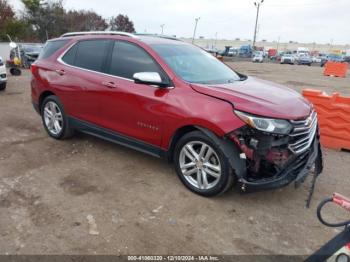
[{"x": 298, "y": 169}]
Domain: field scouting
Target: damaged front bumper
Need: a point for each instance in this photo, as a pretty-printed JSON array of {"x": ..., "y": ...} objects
[{"x": 295, "y": 171}]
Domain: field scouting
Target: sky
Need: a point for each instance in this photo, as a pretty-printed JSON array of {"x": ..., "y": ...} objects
[{"x": 305, "y": 21}]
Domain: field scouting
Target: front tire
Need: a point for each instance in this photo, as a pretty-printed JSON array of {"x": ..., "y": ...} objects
[
  {"x": 201, "y": 165},
  {"x": 54, "y": 118}
]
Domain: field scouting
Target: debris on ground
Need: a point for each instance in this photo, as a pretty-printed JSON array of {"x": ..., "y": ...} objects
[{"x": 92, "y": 225}]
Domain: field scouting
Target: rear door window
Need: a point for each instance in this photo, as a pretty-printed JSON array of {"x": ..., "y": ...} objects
[
  {"x": 91, "y": 54},
  {"x": 51, "y": 47},
  {"x": 88, "y": 54},
  {"x": 128, "y": 59}
]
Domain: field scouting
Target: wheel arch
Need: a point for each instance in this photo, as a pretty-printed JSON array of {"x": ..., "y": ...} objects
[
  {"x": 180, "y": 132},
  {"x": 43, "y": 95},
  {"x": 229, "y": 149}
]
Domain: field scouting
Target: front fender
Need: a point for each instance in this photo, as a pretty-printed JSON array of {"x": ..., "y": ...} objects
[{"x": 230, "y": 151}]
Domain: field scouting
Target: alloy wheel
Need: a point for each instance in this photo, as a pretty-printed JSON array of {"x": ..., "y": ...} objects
[
  {"x": 53, "y": 118},
  {"x": 200, "y": 165}
]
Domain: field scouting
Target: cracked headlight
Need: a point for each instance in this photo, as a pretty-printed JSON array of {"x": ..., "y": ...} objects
[{"x": 270, "y": 125}]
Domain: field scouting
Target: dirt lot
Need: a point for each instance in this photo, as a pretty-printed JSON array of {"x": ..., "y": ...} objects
[{"x": 48, "y": 188}]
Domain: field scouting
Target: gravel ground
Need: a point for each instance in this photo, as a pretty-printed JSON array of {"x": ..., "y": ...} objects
[{"x": 88, "y": 196}]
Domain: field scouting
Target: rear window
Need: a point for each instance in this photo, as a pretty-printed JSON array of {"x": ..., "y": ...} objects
[{"x": 51, "y": 47}]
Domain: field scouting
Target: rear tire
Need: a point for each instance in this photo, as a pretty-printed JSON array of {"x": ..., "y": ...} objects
[
  {"x": 54, "y": 119},
  {"x": 2, "y": 86},
  {"x": 201, "y": 165}
]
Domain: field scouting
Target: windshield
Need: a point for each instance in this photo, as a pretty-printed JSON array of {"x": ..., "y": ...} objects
[{"x": 194, "y": 65}]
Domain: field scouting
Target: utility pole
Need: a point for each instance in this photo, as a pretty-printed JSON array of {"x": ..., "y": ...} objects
[
  {"x": 278, "y": 43},
  {"x": 257, "y": 5},
  {"x": 331, "y": 45},
  {"x": 195, "y": 28},
  {"x": 162, "y": 26}
]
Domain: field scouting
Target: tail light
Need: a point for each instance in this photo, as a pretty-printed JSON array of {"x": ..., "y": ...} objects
[{"x": 34, "y": 69}]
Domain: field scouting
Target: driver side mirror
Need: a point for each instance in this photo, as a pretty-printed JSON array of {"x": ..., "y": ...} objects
[{"x": 149, "y": 78}]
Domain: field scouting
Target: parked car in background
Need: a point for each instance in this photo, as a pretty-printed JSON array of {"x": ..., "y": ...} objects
[
  {"x": 225, "y": 51},
  {"x": 304, "y": 59},
  {"x": 211, "y": 50},
  {"x": 316, "y": 59},
  {"x": 258, "y": 57},
  {"x": 332, "y": 58},
  {"x": 173, "y": 100},
  {"x": 229, "y": 51},
  {"x": 287, "y": 59},
  {"x": 3, "y": 75},
  {"x": 232, "y": 52},
  {"x": 29, "y": 53},
  {"x": 245, "y": 51}
]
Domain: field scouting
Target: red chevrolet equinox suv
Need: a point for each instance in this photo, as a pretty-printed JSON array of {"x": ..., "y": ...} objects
[{"x": 174, "y": 100}]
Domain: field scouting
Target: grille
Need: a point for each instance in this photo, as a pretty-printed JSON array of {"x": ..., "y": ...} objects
[{"x": 303, "y": 133}]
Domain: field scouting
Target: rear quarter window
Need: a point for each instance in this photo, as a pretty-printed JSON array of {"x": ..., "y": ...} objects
[{"x": 51, "y": 47}]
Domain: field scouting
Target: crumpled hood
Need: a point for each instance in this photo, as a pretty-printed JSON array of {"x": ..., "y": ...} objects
[{"x": 260, "y": 97}]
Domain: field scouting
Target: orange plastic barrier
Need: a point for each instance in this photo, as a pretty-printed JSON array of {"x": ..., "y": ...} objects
[
  {"x": 335, "y": 69},
  {"x": 334, "y": 118}
]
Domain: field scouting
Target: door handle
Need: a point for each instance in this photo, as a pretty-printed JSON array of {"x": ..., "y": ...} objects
[
  {"x": 109, "y": 84},
  {"x": 61, "y": 72}
]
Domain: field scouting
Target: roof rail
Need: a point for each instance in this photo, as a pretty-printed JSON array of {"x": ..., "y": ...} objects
[
  {"x": 160, "y": 36},
  {"x": 99, "y": 33}
]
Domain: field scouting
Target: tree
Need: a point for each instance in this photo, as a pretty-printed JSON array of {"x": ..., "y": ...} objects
[
  {"x": 84, "y": 21},
  {"x": 44, "y": 19},
  {"x": 122, "y": 23},
  {"x": 47, "y": 18},
  {"x": 6, "y": 13},
  {"x": 18, "y": 29}
]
